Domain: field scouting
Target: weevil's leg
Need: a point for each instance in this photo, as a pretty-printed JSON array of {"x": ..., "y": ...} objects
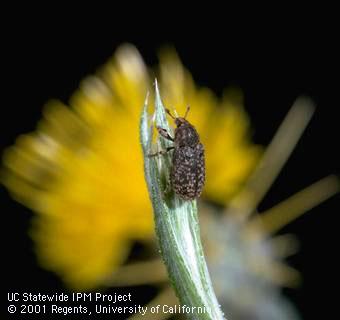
[
  {"x": 164, "y": 134},
  {"x": 162, "y": 152}
]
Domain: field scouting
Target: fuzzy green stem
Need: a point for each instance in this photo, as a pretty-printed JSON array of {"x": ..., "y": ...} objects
[{"x": 177, "y": 226}]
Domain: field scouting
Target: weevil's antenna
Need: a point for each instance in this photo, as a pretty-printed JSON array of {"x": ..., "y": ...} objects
[
  {"x": 169, "y": 113},
  {"x": 187, "y": 111}
]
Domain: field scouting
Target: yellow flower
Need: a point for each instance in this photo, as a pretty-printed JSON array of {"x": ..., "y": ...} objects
[{"x": 82, "y": 171}]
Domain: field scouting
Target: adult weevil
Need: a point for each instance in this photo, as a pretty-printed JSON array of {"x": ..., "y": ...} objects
[{"x": 187, "y": 173}]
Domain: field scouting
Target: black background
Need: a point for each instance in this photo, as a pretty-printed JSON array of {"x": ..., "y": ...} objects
[{"x": 273, "y": 69}]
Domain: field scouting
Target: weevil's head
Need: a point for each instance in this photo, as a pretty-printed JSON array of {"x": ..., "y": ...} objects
[
  {"x": 185, "y": 133},
  {"x": 179, "y": 121}
]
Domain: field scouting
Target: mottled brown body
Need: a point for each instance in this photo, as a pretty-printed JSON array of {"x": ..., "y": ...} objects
[{"x": 188, "y": 166}]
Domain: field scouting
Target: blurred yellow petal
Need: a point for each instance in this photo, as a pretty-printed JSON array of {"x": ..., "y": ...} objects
[{"x": 80, "y": 269}]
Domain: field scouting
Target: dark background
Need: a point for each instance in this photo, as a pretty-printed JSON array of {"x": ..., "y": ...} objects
[{"x": 42, "y": 63}]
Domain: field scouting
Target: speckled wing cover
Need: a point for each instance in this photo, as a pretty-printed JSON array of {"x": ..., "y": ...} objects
[{"x": 188, "y": 171}]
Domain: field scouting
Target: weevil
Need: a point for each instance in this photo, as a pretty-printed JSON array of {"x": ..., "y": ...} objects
[{"x": 187, "y": 174}]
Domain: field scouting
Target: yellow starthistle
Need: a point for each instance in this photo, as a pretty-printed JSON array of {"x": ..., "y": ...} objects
[{"x": 81, "y": 170}]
